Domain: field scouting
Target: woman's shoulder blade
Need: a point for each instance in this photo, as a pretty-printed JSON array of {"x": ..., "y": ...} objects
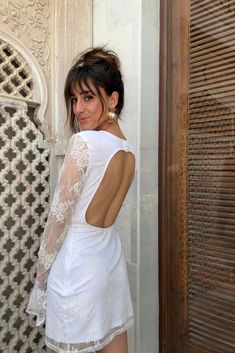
[
  {"x": 102, "y": 140},
  {"x": 93, "y": 137}
]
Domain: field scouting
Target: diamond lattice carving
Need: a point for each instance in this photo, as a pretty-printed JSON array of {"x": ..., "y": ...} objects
[
  {"x": 15, "y": 74},
  {"x": 24, "y": 190}
]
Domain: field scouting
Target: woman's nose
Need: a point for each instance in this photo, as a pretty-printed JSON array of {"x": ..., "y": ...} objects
[{"x": 79, "y": 107}]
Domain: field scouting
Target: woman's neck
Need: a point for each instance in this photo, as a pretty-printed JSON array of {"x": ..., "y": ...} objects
[{"x": 112, "y": 127}]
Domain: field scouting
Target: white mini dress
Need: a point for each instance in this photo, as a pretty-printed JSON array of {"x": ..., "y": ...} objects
[{"x": 87, "y": 299}]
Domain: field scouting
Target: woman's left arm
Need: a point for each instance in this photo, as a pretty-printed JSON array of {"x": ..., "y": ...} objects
[{"x": 70, "y": 184}]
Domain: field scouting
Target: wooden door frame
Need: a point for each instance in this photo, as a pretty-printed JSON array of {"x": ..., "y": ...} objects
[
  {"x": 174, "y": 31},
  {"x": 162, "y": 213},
  {"x": 173, "y": 169}
]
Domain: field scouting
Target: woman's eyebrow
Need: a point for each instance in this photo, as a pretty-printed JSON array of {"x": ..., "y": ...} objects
[{"x": 83, "y": 92}]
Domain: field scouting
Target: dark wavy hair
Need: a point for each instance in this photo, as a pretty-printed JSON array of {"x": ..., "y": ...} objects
[{"x": 99, "y": 67}]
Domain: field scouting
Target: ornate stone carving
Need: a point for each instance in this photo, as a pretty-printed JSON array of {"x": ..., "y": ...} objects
[
  {"x": 24, "y": 190},
  {"x": 31, "y": 19},
  {"x": 16, "y": 77},
  {"x": 23, "y": 81}
]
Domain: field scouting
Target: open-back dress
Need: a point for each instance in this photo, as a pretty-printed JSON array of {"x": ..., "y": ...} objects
[{"x": 82, "y": 287}]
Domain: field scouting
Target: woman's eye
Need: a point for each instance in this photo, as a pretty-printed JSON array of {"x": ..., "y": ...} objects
[
  {"x": 87, "y": 98},
  {"x": 73, "y": 100}
]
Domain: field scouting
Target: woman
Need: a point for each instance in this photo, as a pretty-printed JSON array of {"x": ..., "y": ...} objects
[{"x": 82, "y": 286}]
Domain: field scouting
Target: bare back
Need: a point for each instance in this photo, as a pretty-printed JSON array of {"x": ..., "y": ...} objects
[{"x": 108, "y": 199}]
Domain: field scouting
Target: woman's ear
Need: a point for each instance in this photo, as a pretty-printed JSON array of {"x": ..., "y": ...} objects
[{"x": 113, "y": 100}]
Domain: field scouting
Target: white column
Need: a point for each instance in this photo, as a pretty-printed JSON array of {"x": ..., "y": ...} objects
[{"x": 72, "y": 33}]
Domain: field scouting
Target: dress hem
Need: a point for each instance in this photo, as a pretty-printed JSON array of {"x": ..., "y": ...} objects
[{"x": 95, "y": 347}]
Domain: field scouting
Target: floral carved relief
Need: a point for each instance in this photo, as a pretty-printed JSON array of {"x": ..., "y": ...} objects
[{"x": 29, "y": 19}]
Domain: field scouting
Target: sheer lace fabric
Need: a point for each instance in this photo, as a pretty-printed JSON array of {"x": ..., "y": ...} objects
[
  {"x": 88, "y": 347},
  {"x": 70, "y": 183}
]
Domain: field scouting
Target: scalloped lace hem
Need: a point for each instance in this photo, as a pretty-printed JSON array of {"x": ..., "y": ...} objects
[{"x": 88, "y": 347}]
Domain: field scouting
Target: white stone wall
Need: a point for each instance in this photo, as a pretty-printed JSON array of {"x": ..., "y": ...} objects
[{"x": 131, "y": 28}]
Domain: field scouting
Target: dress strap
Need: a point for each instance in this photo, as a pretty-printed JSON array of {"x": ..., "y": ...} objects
[{"x": 128, "y": 147}]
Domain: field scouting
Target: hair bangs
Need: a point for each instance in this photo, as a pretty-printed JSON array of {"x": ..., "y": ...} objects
[{"x": 81, "y": 81}]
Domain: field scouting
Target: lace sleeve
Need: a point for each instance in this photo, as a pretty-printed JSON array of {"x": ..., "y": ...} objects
[{"x": 68, "y": 189}]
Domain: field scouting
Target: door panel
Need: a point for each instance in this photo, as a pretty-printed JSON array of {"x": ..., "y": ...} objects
[{"x": 197, "y": 176}]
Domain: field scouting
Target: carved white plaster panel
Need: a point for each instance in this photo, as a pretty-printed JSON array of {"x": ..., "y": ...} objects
[
  {"x": 16, "y": 77},
  {"x": 30, "y": 19},
  {"x": 24, "y": 193},
  {"x": 21, "y": 77}
]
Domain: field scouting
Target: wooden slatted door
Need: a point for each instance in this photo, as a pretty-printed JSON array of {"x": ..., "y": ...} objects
[{"x": 197, "y": 177}]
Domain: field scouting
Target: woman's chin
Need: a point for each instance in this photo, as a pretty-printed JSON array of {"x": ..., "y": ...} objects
[{"x": 86, "y": 126}]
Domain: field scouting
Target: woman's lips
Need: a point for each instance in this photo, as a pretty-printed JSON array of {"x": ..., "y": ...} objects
[{"x": 83, "y": 120}]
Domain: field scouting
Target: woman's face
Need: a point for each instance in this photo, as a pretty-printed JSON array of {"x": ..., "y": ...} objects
[{"x": 88, "y": 108}]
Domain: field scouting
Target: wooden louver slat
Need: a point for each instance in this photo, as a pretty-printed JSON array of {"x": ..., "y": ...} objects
[{"x": 211, "y": 175}]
